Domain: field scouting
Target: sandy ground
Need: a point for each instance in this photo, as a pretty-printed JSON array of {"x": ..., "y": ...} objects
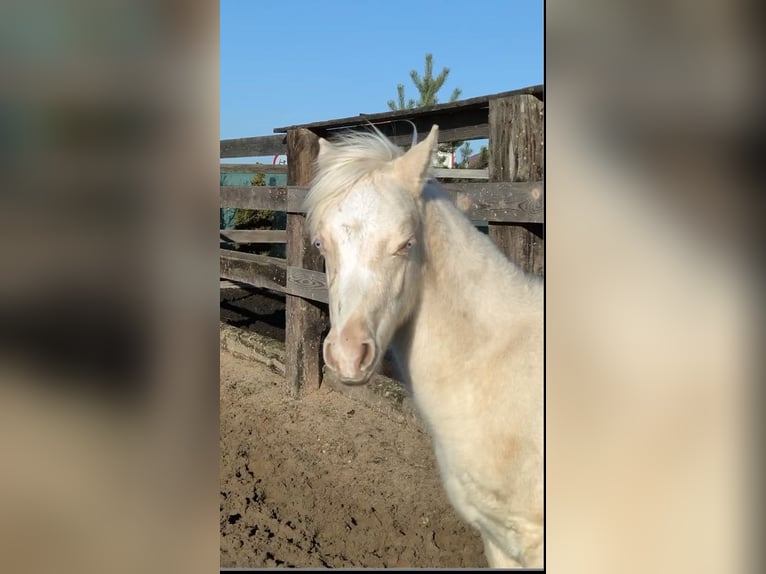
[{"x": 325, "y": 481}]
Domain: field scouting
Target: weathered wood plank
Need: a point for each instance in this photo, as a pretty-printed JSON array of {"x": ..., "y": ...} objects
[
  {"x": 306, "y": 320},
  {"x": 253, "y": 147},
  {"x": 440, "y": 172},
  {"x": 452, "y": 107},
  {"x": 285, "y": 198},
  {"x": 254, "y": 197},
  {"x": 295, "y": 198},
  {"x": 254, "y": 235},
  {"x": 499, "y": 201},
  {"x": 307, "y": 284},
  {"x": 256, "y": 270},
  {"x": 518, "y": 202},
  {"x": 516, "y": 154},
  {"x": 452, "y": 126},
  {"x": 478, "y": 131},
  {"x": 252, "y": 168},
  {"x": 273, "y": 273}
]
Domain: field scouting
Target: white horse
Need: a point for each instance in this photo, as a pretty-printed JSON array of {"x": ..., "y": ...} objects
[{"x": 405, "y": 267}]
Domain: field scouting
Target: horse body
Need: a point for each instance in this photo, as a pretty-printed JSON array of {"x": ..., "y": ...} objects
[
  {"x": 405, "y": 267},
  {"x": 472, "y": 353}
]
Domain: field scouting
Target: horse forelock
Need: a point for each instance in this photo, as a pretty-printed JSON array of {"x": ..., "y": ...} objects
[{"x": 352, "y": 158}]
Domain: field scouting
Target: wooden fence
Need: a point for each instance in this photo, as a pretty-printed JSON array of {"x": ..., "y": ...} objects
[{"x": 510, "y": 200}]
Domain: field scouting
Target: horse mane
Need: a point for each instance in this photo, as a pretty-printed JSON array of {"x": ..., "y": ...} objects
[{"x": 352, "y": 157}]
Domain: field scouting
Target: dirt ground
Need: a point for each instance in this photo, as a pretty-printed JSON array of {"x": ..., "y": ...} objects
[{"x": 326, "y": 481}]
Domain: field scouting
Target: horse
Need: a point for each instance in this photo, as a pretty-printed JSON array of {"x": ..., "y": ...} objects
[{"x": 407, "y": 270}]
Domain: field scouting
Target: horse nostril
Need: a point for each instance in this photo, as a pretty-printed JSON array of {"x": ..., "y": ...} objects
[
  {"x": 367, "y": 355},
  {"x": 328, "y": 357}
]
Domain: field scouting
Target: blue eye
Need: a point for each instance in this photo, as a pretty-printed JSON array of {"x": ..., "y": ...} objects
[{"x": 317, "y": 244}]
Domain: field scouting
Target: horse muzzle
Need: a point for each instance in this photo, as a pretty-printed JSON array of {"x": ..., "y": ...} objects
[{"x": 351, "y": 353}]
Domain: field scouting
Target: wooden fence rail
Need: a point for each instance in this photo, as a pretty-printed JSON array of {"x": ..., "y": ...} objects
[
  {"x": 509, "y": 196},
  {"x": 253, "y": 147},
  {"x": 273, "y": 273},
  {"x": 254, "y": 235},
  {"x": 501, "y": 202}
]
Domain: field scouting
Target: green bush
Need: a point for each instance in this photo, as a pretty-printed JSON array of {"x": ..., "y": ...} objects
[{"x": 255, "y": 218}]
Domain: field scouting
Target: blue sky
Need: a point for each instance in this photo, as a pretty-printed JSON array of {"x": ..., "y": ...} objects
[{"x": 286, "y": 62}]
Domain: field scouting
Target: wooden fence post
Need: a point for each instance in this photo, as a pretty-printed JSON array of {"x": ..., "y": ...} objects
[
  {"x": 516, "y": 154},
  {"x": 305, "y": 320}
]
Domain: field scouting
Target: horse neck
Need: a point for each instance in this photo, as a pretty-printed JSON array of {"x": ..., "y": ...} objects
[
  {"x": 468, "y": 285},
  {"x": 462, "y": 264}
]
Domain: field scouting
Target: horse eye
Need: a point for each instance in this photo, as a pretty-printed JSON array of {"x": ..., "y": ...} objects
[{"x": 406, "y": 246}]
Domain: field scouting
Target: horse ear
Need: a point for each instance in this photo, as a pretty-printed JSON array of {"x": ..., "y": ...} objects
[
  {"x": 324, "y": 147},
  {"x": 413, "y": 167}
]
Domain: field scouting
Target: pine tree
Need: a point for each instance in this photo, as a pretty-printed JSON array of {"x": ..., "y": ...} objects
[
  {"x": 428, "y": 88},
  {"x": 465, "y": 150},
  {"x": 401, "y": 105}
]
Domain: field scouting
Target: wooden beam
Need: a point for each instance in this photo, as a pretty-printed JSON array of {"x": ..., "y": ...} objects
[
  {"x": 469, "y": 132},
  {"x": 256, "y": 270},
  {"x": 499, "y": 202},
  {"x": 516, "y": 154},
  {"x": 446, "y": 173},
  {"x": 253, "y": 147},
  {"x": 295, "y": 198},
  {"x": 453, "y": 125},
  {"x": 516, "y": 202},
  {"x": 254, "y": 235},
  {"x": 273, "y": 273},
  {"x": 254, "y": 197},
  {"x": 252, "y": 168},
  {"x": 451, "y": 107},
  {"x": 307, "y": 284},
  {"x": 306, "y": 320}
]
